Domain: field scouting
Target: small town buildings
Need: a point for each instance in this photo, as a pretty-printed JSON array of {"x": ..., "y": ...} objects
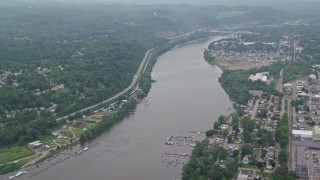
[
  {"x": 255, "y": 93},
  {"x": 316, "y": 133},
  {"x": 247, "y": 159},
  {"x": 269, "y": 167},
  {"x": 242, "y": 177},
  {"x": 78, "y": 123},
  {"x": 34, "y": 145},
  {"x": 271, "y": 153},
  {"x": 224, "y": 126},
  {"x": 259, "y": 76},
  {"x": 312, "y": 76},
  {"x": 300, "y": 119},
  {"x": 57, "y": 87},
  {"x": 302, "y": 134},
  {"x": 287, "y": 85}
]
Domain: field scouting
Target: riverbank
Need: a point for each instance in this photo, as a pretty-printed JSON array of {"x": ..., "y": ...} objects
[
  {"x": 233, "y": 65},
  {"x": 238, "y": 65},
  {"x": 145, "y": 84},
  {"x": 252, "y": 141},
  {"x": 137, "y": 143}
]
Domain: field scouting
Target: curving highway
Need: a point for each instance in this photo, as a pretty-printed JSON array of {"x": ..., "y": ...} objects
[{"x": 135, "y": 79}]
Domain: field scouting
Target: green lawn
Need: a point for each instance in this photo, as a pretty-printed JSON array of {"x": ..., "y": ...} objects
[
  {"x": 43, "y": 148},
  {"x": 89, "y": 124},
  {"x": 265, "y": 175},
  {"x": 229, "y": 14},
  {"x": 68, "y": 134},
  {"x": 14, "y": 153},
  {"x": 63, "y": 142},
  {"x": 273, "y": 84},
  {"x": 46, "y": 139},
  {"x": 77, "y": 132},
  {"x": 13, "y": 166}
]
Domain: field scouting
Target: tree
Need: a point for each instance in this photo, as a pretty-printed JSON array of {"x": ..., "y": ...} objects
[
  {"x": 262, "y": 113},
  {"x": 210, "y": 132},
  {"x": 292, "y": 175},
  {"x": 216, "y": 125},
  {"x": 230, "y": 138},
  {"x": 283, "y": 143},
  {"x": 281, "y": 172},
  {"x": 272, "y": 163},
  {"x": 246, "y": 150},
  {"x": 225, "y": 133},
  {"x": 248, "y": 124},
  {"x": 235, "y": 153},
  {"x": 264, "y": 153},
  {"x": 235, "y": 127},
  {"x": 221, "y": 119},
  {"x": 240, "y": 111},
  {"x": 247, "y": 137},
  {"x": 283, "y": 154},
  {"x": 260, "y": 165}
]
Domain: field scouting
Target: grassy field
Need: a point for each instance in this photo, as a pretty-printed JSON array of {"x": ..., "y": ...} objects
[
  {"x": 46, "y": 139},
  {"x": 13, "y": 166},
  {"x": 265, "y": 175},
  {"x": 77, "y": 132},
  {"x": 68, "y": 134},
  {"x": 273, "y": 84},
  {"x": 89, "y": 124},
  {"x": 14, "y": 153},
  {"x": 63, "y": 142},
  {"x": 230, "y": 14}
]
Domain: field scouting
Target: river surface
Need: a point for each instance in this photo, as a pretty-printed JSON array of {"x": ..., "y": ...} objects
[{"x": 185, "y": 97}]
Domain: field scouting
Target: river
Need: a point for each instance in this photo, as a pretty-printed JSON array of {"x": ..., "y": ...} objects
[{"x": 185, "y": 97}]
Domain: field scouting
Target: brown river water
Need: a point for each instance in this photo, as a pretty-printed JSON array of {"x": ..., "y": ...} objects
[{"x": 186, "y": 97}]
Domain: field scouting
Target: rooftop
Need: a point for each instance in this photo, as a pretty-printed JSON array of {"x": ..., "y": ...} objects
[
  {"x": 242, "y": 177},
  {"x": 259, "y": 76},
  {"x": 302, "y": 132},
  {"x": 316, "y": 130}
]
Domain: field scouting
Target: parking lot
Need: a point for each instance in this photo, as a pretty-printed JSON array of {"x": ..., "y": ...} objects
[{"x": 314, "y": 164}]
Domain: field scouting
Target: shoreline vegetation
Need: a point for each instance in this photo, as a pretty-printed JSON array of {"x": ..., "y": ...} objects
[
  {"x": 109, "y": 120},
  {"x": 213, "y": 160}
]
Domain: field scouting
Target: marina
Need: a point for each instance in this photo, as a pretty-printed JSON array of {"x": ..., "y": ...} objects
[{"x": 179, "y": 149}]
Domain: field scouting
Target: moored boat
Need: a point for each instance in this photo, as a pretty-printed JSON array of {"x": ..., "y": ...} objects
[{"x": 19, "y": 173}]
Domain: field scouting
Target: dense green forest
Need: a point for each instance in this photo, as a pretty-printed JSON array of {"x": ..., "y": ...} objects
[{"x": 237, "y": 85}]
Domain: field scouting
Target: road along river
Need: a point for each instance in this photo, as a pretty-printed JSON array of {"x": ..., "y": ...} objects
[{"x": 186, "y": 97}]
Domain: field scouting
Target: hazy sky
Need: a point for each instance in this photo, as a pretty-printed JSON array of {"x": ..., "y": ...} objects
[
  {"x": 281, "y": 4},
  {"x": 196, "y": 2}
]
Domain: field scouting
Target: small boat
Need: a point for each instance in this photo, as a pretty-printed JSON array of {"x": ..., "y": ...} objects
[
  {"x": 11, "y": 177},
  {"x": 19, "y": 174},
  {"x": 148, "y": 101},
  {"x": 86, "y": 148}
]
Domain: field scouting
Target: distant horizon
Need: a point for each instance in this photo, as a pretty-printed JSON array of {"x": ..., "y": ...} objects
[
  {"x": 299, "y": 6},
  {"x": 148, "y": 2}
]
